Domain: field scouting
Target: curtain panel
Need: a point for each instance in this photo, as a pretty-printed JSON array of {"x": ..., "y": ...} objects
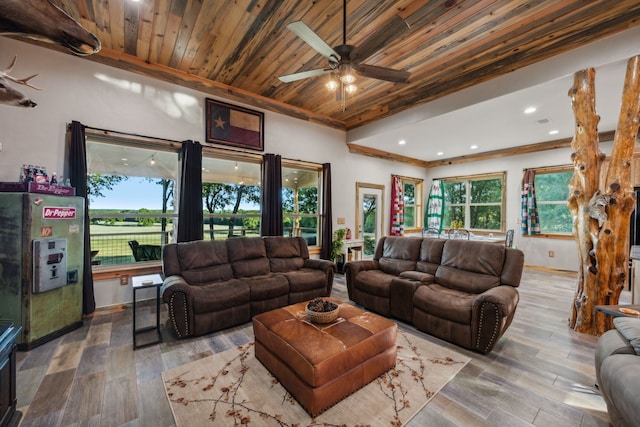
[
  {"x": 530, "y": 223},
  {"x": 435, "y": 206},
  {"x": 327, "y": 219},
  {"x": 397, "y": 207},
  {"x": 271, "y": 221},
  {"x": 190, "y": 216},
  {"x": 77, "y": 161}
]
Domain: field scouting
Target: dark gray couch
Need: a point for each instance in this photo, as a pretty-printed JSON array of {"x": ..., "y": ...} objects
[
  {"x": 214, "y": 284},
  {"x": 459, "y": 290},
  {"x": 618, "y": 371}
]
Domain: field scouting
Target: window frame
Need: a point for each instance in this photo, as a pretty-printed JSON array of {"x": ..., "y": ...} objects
[
  {"x": 546, "y": 171},
  {"x": 296, "y": 215},
  {"x": 418, "y": 205},
  {"x": 468, "y": 179}
]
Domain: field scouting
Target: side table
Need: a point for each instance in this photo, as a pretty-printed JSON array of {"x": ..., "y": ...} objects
[
  {"x": 615, "y": 310},
  {"x": 146, "y": 282}
]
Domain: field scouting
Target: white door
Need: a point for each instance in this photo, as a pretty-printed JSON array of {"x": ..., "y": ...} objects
[{"x": 369, "y": 215}]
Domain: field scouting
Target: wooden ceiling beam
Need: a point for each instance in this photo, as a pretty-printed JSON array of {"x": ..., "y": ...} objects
[{"x": 487, "y": 155}]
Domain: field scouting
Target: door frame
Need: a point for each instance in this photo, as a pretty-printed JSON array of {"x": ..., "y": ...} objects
[{"x": 361, "y": 186}]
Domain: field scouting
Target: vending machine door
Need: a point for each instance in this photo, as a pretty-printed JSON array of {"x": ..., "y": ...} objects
[{"x": 49, "y": 264}]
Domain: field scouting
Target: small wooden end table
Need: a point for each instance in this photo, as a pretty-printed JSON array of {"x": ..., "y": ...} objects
[
  {"x": 614, "y": 310},
  {"x": 146, "y": 282}
]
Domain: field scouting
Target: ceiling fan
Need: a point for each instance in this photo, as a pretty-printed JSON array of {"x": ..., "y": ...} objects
[{"x": 346, "y": 58}]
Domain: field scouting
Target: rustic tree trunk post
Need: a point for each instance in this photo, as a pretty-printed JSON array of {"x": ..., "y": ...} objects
[{"x": 601, "y": 221}]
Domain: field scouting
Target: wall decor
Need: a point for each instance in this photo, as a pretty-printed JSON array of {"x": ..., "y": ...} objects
[{"x": 234, "y": 126}]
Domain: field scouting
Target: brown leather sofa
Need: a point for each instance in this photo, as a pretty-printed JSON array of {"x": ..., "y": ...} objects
[
  {"x": 462, "y": 291},
  {"x": 214, "y": 284}
]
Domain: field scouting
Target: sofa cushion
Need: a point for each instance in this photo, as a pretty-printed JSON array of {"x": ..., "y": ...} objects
[
  {"x": 430, "y": 255},
  {"x": 248, "y": 256},
  {"x": 629, "y": 328},
  {"x": 203, "y": 262},
  {"x": 219, "y": 296},
  {"x": 472, "y": 267},
  {"x": 399, "y": 254},
  {"x": 305, "y": 279},
  {"x": 374, "y": 282},
  {"x": 445, "y": 303},
  {"x": 284, "y": 253},
  {"x": 267, "y": 287}
]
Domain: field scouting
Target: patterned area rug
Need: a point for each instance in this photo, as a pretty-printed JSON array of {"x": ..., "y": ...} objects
[{"x": 233, "y": 388}]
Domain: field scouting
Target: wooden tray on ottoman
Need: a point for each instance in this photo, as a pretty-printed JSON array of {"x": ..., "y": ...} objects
[{"x": 321, "y": 364}]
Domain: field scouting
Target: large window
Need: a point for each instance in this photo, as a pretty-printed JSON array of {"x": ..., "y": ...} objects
[
  {"x": 131, "y": 199},
  {"x": 412, "y": 190},
  {"x": 552, "y": 192},
  {"x": 475, "y": 202},
  {"x": 300, "y": 201},
  {"x": 230, "y": 197}
]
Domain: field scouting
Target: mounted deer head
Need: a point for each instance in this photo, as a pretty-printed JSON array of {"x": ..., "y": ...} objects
[
  {"x": 44, "y": 21},
  {"x": 10, "y": 96}
]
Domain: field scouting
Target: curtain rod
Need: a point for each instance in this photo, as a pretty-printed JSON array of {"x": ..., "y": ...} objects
[{"x": 108, "y": 131}]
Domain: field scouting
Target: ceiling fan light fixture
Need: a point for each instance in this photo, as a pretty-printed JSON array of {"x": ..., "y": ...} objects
[
  {"x": 332, "y": 85},
  {"x": 351, "y": 89},
  {"x": 347, "y": 74}
]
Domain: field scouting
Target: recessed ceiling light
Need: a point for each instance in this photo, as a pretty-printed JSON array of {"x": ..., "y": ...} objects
[
  {"x": 439, "y": 153},
  {"x": 402, "y": 142},
  {"x": 530, "y": 110},
  {"x": 554, "y": 132},
  {"x": 474, "y": 146}
]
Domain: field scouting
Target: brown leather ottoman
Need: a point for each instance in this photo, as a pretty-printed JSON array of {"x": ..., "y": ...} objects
[{"x": 321, "y": 364}]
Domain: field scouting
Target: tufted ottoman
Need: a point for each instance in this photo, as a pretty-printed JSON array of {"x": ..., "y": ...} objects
[{"x": 321, "y": 364}]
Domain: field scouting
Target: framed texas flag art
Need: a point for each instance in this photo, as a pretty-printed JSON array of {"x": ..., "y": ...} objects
[{"x": 234, "y": 126}]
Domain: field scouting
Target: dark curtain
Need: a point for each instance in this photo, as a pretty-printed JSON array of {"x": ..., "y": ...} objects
[
  {"x": 271, "y": 223},
  {"x": 327, "y": 220},
  {"x": 77, "y": 161},
  {"x": 190, "y": 217}
]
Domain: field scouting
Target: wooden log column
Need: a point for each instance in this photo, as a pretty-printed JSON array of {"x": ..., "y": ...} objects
[{"x": 601, "y": 220}]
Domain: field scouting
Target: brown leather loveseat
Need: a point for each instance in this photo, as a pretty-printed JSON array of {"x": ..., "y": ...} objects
[
  {"x": 214, "y": 284},
  {"x": 462, "y": 291}
]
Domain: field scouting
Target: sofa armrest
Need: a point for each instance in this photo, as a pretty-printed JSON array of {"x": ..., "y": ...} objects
[
  {"x": 491, "y": 315},
  {"x": 352, "y": 268},
  {"x": 505, "y": 298},
  {"x": 328, "y": 267},
  {"x": 319, "y": 264},
  {"x": 176, "y": 293}
]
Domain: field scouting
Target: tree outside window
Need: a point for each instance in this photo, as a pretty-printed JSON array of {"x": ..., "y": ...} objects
[
  {"x": 412, "y": 189},
  {"x": 476, "y": 203},
  {"x": 300, "y": 202},
  {"x": 552, "y": 192}
]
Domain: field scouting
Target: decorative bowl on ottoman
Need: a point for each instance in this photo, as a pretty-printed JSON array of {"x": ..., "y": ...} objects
[{"x": 321, "y": 311}]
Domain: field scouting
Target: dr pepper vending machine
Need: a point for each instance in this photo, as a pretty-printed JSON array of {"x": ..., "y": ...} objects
[{"x": 41, "y": 262}]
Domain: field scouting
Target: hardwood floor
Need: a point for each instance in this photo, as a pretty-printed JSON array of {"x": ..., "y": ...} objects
[{"x": 540, "y": 373}]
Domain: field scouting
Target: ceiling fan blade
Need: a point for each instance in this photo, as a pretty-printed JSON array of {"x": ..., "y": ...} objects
[
  {"x": 392, "y": 29},
  {"x": 303, "y": 75},
  {"x": 312, "y": 39},
  {"x": 381, "y": 73}
]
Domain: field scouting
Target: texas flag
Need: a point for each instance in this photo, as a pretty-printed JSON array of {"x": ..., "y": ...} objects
[{"x": 229, "y": 124}]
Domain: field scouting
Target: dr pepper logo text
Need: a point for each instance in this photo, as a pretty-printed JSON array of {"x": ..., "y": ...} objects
[{"x": 58, "y": 213}]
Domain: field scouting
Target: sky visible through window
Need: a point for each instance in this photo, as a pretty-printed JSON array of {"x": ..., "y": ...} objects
[{"x": 132, "y": 194}]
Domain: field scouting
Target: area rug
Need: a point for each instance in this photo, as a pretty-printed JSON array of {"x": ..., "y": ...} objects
[{"x": 233, "y": 388}]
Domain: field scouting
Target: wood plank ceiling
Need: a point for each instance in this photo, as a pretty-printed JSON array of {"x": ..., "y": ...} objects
[{"x": 236, "y": 49}]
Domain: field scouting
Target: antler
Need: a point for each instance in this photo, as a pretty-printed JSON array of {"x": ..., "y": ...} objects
[{"x": 25, "y": 81}]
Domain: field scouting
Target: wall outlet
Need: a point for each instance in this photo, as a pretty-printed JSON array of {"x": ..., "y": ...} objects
[
  {"x": 340, "y": 220},
  {"x": 552, "y": 254},
  {"x": 124, "y": 280}
]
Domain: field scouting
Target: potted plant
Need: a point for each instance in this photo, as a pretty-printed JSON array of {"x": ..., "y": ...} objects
[{"x": 337, "y": 254}]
